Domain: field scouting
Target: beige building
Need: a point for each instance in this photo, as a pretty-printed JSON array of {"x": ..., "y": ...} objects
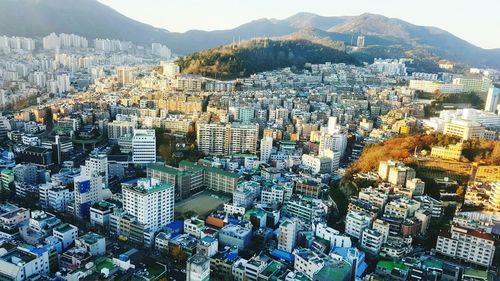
[
  {"x": 227, "y": 139},
  {"x": 465, "y": 130},
  {"x": 452, "y": 152},
  {"x": 468, "y": 245}
]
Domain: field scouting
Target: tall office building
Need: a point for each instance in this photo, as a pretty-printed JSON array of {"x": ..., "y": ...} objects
[
  {"x": 144, "y": 147},
  {"x": 266, "y": 147},
  {"x": 91, "y": 185},
  {"x": 227, "y": 139},
  {"x": 150, "y": 201},
  {"x": 492, "y": 99}
]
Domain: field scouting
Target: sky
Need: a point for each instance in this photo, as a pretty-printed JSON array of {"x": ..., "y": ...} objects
[{"x": 475, "y": 21}]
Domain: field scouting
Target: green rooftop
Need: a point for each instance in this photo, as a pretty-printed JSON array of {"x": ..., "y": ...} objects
[
  {"x": 336, "y": 271},
  {"x": 167, "y": 169},
  {"x": 91, "y": 238},
  {"x": 64, "y": 227},
  {"x": 433, "y": 263},
  {"x": 221, "y": 172},
  {"x": 255, "y": 212},
  {"x": 390, "y": 265},
  {"x": 476, "y": 273},
  {"x": 103, "y": 262},
  {"x": 271, "y": 268}
]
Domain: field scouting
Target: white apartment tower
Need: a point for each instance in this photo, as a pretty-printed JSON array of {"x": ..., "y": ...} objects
[
  {"x": 266, "y": 147},
  {"x": 150, "y": 201},
  {"x": 492, "y": 99},
  {"x": 91, "y": 185},
  {"x": 287, "y": 237},
  {"x": 227, "y": 139}
]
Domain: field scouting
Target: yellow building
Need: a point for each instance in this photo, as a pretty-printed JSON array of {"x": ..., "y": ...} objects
[
  {"x": 488, "y": 173},
  {"x": 452, "y": 152}
]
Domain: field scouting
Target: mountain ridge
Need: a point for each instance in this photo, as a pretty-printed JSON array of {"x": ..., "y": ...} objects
[{"x": 93, "y": 19}]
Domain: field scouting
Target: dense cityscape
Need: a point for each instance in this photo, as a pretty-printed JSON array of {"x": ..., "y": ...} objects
[{"x": 117, "y": 164}]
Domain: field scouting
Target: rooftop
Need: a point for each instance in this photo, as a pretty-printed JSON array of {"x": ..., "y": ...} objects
[
  {"x": 336, "y": 271},
  {"x": 64, "y": 227},
  {"x": 208, "y": 169},
  {"x": 90, "y": 238}
]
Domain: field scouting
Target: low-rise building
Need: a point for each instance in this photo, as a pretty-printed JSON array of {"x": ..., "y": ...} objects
[{"x": 469, "y": 245}]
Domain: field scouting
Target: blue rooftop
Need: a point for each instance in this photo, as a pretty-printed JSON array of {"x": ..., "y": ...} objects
[
  {"x": 176, "y": 226},
  {"x": 282, "y": 255},
  {"x": 232, "y": 256}
]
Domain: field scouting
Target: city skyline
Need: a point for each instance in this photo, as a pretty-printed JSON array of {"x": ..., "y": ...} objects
[{"x": 462, "y": 22}]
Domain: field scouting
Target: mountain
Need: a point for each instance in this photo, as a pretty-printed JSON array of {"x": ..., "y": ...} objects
[
  {"x": 89, "y": 18},
  {"x": 309, "y": 20},
  {"x": 434, "y": 40},
  {"x": 242, "y": 60}
]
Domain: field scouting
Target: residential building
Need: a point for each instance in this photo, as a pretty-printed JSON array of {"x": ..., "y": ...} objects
[
  {"x": 198, "y": 268},
  {"x": 317, "y": 165},
  {"x": 371, "y": 241},
  {"x": 150, "y": 201},
  {"x": 195, "y": 227},
  {"x": 235, "y": 236},
  {"x": 66, "y": 233},
  {"x": 227, "y": 139},
  {"x": 288, "y": 235},
  {"x": 94, "y": 243},
  {"x": 266, "y": 147},
  {"x": 91, "y": 185},
  {"x": 492, "y": 99},
  {"x": 468, "y": 245},
  {"x": 22, "y": 264},
  {"x": 356, "y": 223}
]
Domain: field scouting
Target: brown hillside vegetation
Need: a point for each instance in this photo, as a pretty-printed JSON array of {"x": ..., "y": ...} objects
[{"x": 402, "y": 148}]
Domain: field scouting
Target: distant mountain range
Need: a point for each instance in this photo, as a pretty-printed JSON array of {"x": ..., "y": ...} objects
[{"x": 36, "y": 18}]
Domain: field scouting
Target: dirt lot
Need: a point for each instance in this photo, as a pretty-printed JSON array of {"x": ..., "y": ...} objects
[{"x": 202, "y": 203}]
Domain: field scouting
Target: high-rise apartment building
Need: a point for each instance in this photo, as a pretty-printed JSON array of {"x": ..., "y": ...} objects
[
  {"x": 288, "y": 235},
  {"x": 492, "y": 99},
  {"x": 91, "y": 185},
  {"x": 117, "y": 129},
  {"x": 125, "y": 75},
  {"x": 266, "y": 147},
  {"x": 227, "y": 139},
  {"x": 150, "y": 201}
]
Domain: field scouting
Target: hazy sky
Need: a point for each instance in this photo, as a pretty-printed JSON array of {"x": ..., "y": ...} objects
[{"x": 475, "y": 21}]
